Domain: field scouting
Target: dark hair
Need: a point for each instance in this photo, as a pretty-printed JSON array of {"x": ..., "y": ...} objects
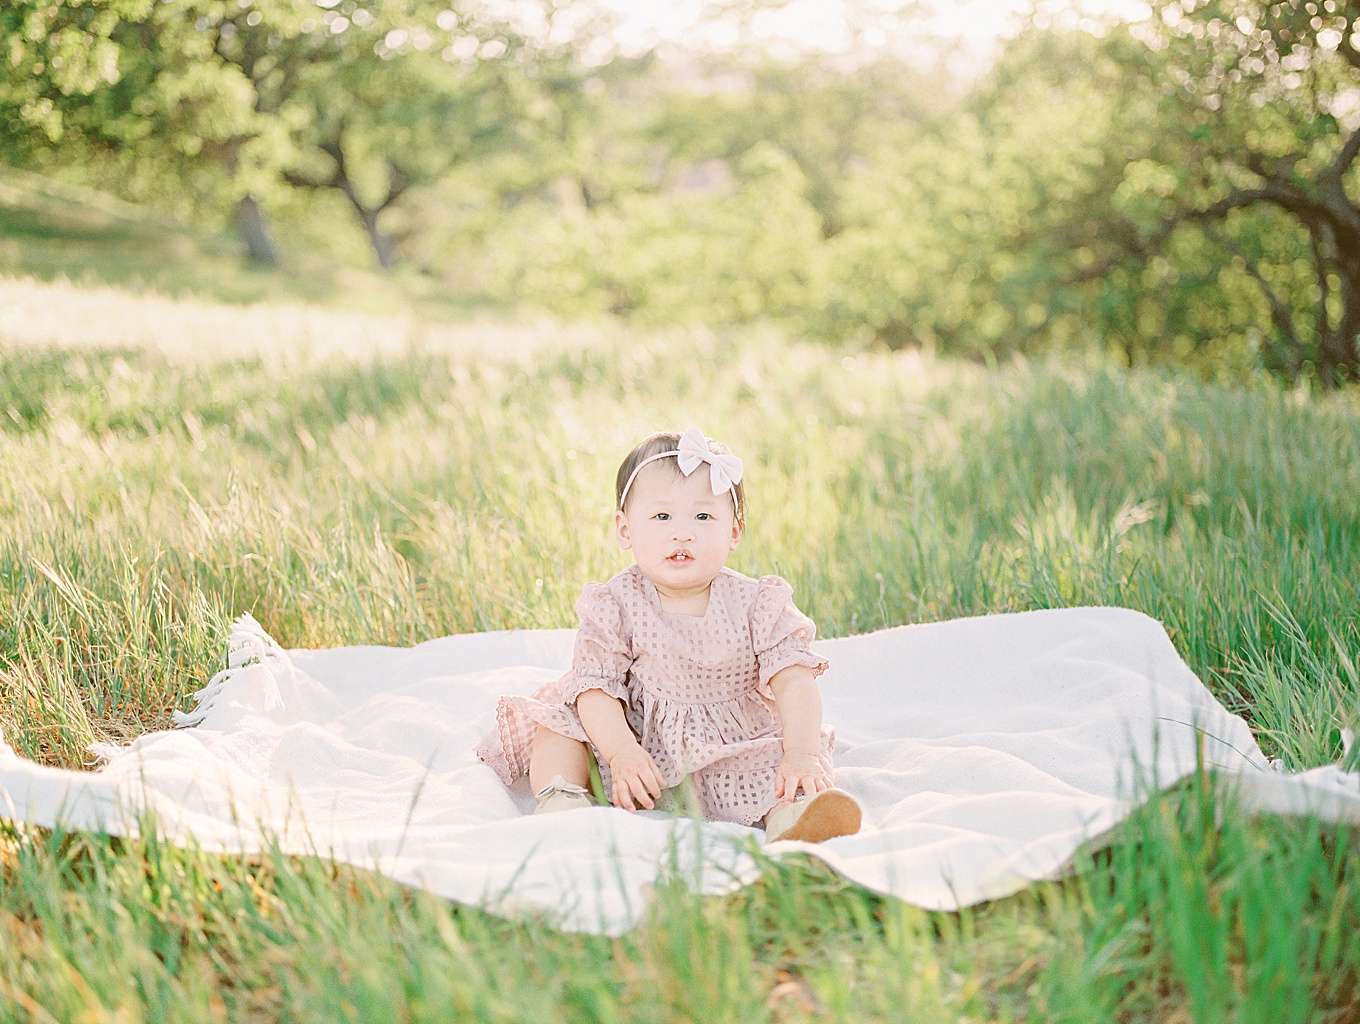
[{"x": 665, "y": 441}]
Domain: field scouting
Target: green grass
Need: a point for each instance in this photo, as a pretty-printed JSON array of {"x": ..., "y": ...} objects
[
  {"x": 62, "y": 232},
  {"x": 384, "y": 478}
]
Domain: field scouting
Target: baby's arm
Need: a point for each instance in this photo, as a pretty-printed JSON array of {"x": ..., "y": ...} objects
[
  {"x": 604, "y": 722},
  {"x": 633, "y": 774},
  {"x": 800, "y": 708},
  {"x": 800, "y": 714}
]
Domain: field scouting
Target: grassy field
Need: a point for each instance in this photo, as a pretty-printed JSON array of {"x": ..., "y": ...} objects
[
  {"x": 58, "y": 231},
  {"x": 383, "y": 477}
]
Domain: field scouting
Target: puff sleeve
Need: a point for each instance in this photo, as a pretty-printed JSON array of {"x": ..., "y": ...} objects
[
  {"x": 781, "y": 634},
  {"x": 600, "y": 658}
]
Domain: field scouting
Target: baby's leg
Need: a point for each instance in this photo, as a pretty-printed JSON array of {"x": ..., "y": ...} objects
[{"x": 551, "y": 754}]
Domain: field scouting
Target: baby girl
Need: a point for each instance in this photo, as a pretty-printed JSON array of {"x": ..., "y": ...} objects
[{"x": 688, "y": 680}]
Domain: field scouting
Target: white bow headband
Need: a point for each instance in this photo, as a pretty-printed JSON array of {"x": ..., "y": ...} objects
[{"x": 724, "y": 469}]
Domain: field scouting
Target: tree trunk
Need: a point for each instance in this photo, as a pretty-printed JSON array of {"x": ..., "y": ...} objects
[
  {"x": 253, "y": 230},
  {"x": 1339, "y": 352},
  {"x": 383, "y": 248}
]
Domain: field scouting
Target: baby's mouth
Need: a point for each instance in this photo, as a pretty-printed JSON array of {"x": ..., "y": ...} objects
[{"x": 681, "y": 558}]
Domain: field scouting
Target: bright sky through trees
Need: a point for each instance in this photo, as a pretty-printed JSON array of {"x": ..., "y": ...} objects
[{"x": 970, "y": 29}]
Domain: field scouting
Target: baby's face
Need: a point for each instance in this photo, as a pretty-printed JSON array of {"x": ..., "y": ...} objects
[{"x": 665, "y": 514}]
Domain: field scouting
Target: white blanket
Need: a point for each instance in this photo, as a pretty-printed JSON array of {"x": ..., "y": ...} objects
[{"x": 986, "y": 751}]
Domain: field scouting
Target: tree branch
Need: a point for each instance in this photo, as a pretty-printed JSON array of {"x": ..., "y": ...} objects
[
  {"x": 1346, "y": 157},
  {"x": 1278, "y": 170},
  {"x": 1279, "y": 312},
  {"x": 1145, "y": 247},
  {"x": 299, "y": 181}
]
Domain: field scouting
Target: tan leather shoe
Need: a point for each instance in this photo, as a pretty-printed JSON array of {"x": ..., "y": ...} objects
[
  {"x": 561, "y": 795},
  {"x": 832, "y": 812}
]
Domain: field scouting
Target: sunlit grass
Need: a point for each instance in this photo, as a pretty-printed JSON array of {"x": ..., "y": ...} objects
[
  {"x": 63, "y": 233},
  {"x": 347, "y": 478}
]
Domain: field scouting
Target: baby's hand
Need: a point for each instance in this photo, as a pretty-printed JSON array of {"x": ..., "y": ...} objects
[
  {"x": 795, "y": 769},
  {"x": 633, "y": 775}
]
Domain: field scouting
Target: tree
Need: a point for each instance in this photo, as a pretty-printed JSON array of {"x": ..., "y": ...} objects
[
  {"x": 209, "y": 103},
  {"x": 167, "y": 118},
  {"x": 395, "y": 113},
  {"x": 826, "y": 118},
  {"x": 56, "y": 57},
  {"x": 1248, "y": 110}
]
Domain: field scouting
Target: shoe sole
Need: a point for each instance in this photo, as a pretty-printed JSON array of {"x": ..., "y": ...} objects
[
  {"x": 831, "y": 813},
  {"x": 553, "y": 806}
]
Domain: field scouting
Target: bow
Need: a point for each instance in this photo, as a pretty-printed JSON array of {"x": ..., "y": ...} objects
[{"x": 724, "y": 470}]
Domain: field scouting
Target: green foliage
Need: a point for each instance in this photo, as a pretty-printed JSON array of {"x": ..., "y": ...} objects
[
  {"x": 51, "y": 52},
  {"x": 1181, "y": 191},
  {"x": 730, "y": 256}
]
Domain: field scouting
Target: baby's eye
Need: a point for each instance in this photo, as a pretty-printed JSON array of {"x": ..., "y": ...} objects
[
  {"x": 709, "y": 514},
  {"x": 660, "y": 514}
]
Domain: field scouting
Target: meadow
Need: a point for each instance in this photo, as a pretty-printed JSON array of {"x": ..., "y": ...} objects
[{"x": 361, "y": 476}]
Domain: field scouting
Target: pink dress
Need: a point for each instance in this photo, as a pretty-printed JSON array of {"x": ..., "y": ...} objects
[{"x": 695, "y": 688}]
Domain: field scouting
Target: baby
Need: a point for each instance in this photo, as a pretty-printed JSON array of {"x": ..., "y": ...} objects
[{"x": 689, "y": 680}]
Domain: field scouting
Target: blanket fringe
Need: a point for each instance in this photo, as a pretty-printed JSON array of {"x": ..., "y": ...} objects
[{"x": 247, "y": 644}]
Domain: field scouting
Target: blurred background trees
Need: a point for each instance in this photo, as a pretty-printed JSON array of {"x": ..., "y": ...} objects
[{"x": 1178, "y": 187}]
